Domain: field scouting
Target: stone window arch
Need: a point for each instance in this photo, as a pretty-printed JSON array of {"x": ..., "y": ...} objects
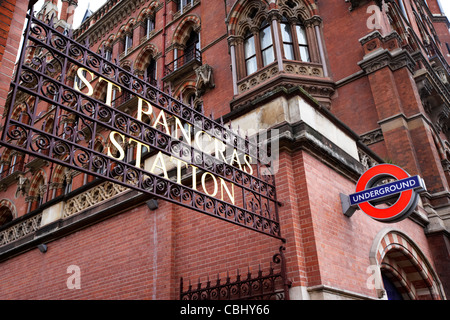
[
  {"x": 186, "y": 43},
  {"x": 61, "y": 181},
  {"x": 125, "y": 39},
  {"x": 38, "y": 190},
  {"x": 146, "y": 64},
  {"x": 188, "y": 94},
  {"x": 403, "y": 265},
  {"x": 147, "y": 20}
]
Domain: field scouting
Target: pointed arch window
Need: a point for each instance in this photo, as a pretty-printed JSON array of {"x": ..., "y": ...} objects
[
  {"x": 288, "y": 41},
  {"x": 192, "y": 46},
  {"x": 150, "y": 26},
  {"x": 12, "y": 164},
  {"x": 302, "y": 42},
  {"x": 250, "y": 53},
  {"x": 151, "y": 72},
  {"x": 5, "y": 215},
  {"x": 267, "y": 40},
  {"x": 265, "y": 37},
  {"x": 258, "y": 54},
  {"x": 127, "y": 43}
]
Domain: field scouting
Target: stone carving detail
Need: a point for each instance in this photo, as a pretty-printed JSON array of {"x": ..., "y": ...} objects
[
  {"x": 372, "y": 137},
  {"x": 291, "y": 67},
  {"x": 257, "y": 78},
  {"x": 20, "y": 229},
  {"x": 23, "y": 185},
  {"x": 303, "y": 69},
  {"x": 205, "y": 79},
  {"x": 367, "y": 161},
  {"x": 92, "y": 197}
]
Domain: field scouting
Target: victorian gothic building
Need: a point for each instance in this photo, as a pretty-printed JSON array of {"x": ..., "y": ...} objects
[{"x": 340, "y": 86}]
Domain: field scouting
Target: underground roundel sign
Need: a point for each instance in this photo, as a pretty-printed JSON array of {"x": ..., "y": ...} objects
[{"x": 386, "y": 193}]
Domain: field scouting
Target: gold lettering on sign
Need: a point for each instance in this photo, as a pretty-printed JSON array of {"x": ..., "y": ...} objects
[
  {"x": 109, "y": 90},
  {"x": 181, "y": 131},
  {"x": 84, "y": 80}
]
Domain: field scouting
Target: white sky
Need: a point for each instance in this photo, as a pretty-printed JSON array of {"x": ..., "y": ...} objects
[{"x": 446, "y": 7}]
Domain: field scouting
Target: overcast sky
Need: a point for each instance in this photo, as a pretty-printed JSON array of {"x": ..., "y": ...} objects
[{"x": 446, "y": 7}]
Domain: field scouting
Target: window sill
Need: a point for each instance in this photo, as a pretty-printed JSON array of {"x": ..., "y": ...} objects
[
  {"x": 268, "y": 81},
  {"x": 291, "y": 67}
]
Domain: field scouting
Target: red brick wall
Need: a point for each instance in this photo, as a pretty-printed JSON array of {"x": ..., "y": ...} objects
[
  {"x": 115, "y": 259},
  {"x": 12, "y": 20},
  {"x": 141, "y": 254},
  {"x": 356, "y": 105},
  {"x": 342, "y": 243}
]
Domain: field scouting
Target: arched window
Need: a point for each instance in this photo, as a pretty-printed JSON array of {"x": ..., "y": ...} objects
[
  {"x": 265, "y": 37},
  {"x": 192, "y": 46},
  {"x": 250, "y": 53},
  {"x": 186, "y": 49},
  {"x": 127, "y": 42},
  {"x": 288, "y": 42},
  {"x": 12, "y": 164},
  {"x": 5, "y": 215},
  {"x": 291, "y": 43},
  {"x": 37, "y": 192},
  {"x": 282, "y": 40},
  {"x": 264, "y": 53},
  {"x": 302, "y": 42},
  {"x": 151, "y": 72},
  {"x": 149, "y": 25}
]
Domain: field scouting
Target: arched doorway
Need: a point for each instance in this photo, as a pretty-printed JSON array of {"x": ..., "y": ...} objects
[
  {"x": 390, "y": 288},
  {"x": 405, "y": 270}
]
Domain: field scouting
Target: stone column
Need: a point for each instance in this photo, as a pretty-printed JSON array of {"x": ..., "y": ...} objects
[
  {"x": 232, "y": 44},
  {"x": 275, "y": 18}
]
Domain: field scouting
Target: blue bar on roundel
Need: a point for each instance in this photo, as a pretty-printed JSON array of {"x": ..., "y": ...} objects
[{"x": 387, "y": 190}]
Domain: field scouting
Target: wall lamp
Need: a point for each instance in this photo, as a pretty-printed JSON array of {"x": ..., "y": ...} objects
[
  {"x": 152, "y": 204},
  {"x": 42, "y": 247}
]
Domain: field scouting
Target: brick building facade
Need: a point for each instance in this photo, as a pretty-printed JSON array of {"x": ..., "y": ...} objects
[{"x": 346, "y": 85}]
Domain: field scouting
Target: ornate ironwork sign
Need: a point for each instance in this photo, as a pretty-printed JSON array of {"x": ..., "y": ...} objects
[{"x": 76, "y": 108}]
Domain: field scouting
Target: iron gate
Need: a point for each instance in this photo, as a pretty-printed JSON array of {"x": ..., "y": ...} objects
[
  {"x": 271, "y": 286},
  {"x": 65, "y": 131}
]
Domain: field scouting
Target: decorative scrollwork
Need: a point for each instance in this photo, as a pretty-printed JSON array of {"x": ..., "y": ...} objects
[{"x": 65, "y": 132}]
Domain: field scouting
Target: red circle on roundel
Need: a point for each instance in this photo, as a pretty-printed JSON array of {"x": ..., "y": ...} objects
[{"x": 399, "y": 206}]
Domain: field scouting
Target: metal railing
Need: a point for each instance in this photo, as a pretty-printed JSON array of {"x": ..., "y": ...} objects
[{"x": 178, "y": 63}]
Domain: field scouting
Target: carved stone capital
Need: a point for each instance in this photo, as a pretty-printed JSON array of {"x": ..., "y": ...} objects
[
  {"x": 275, "y": 14},
  {"x": 30, "y": 198},
  {"x": 375, "y": 40},
  {"x": 313, "y": 21},
  {"x": 235, "y": 40},
  {"x": 384, "y": 58},
  {"x": 372, "y": 137}
]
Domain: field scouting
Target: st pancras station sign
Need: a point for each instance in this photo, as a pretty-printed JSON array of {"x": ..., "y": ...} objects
[{"x": 178, "y": 153}]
